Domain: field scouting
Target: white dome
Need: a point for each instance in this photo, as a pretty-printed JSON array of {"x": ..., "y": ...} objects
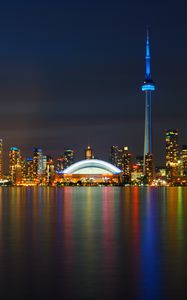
[{"x": 92, "y": 166}]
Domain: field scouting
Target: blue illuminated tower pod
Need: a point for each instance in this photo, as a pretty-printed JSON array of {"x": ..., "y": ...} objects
[{"x": 148, "y": 87}]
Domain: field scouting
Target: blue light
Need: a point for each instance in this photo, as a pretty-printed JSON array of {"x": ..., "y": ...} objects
[
  {"x": 59, "y": 172},
  {"x": 148, "y": 59},
  {"x": 14, "y": 149},
  {"x": 148, "y": 87},
  {"x": 29, "y": 159}
]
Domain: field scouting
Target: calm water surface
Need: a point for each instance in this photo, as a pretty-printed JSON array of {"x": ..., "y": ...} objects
[{"x": 93, "y": 243}]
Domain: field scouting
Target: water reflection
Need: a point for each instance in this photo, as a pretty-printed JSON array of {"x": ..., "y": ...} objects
[
  {"x": 150, "y": 253},
  {"x": 93, "y": 243}
]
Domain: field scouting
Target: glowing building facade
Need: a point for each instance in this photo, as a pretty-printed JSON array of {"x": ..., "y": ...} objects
[
  {"x": 28, "y": 169},
  {"x": 89, "y": 153},
  {"x": 37, "y": 164},
  {"x": 172, "y": 153},
  {"x": 92, "y": 171},
  {"x": 15, "y": 165},
  {"x": 184, "y": 160},
  {"x": 117, "y": 157},
  {"x": 50, "y": 170},
  {"x": 148, "y": 87},
  {"x": 121, "y": 158}
]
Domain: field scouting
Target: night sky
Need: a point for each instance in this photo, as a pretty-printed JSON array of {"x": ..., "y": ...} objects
[{"x": 71, "y": 71}]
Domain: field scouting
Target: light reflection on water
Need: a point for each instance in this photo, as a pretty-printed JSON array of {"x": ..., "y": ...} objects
[{"x": 93, "y": 243}]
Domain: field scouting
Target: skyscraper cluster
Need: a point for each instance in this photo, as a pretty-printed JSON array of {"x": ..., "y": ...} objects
[
  {"x": 38, "y": 169},
  {"x": 174, "y": 172},
  {"x": 42, "y": 169}
]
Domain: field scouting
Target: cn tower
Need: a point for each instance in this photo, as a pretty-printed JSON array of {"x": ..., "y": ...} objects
[{"x": 148, "y": 87}]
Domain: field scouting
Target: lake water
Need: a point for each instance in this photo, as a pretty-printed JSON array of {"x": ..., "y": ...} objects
[{"x": 93, "y": 243}]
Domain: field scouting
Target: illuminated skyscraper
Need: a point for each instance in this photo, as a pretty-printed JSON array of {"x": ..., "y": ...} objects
[
  {"x": 28, "y": 169},
  {"x": 15, "y": 165},
  {"x": 184, "y": 160},
  {"x": 49, "y": 170},
  {"x": 117, "y": 157},
  {"x": 37, "y": 164},
  {"x": 148, "y": 167},
  {"x": 44, "y": 163},
  {"x": 148, "y": 87},
  {"x": 139, "y": 163},
  {"x": 121, "y": 158},
  {"x": 172, "y": 153},
  {"x": 88, "y": 153},
  {"x": 1, "y": 158},
  {"x": 127, "y": 167}
]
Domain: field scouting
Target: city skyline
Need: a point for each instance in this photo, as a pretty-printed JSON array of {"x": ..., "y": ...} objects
[
  {"x": 41, "y": 168},
  {"x": 67, "y": 60},
  {"x": 93, "y": 149}
]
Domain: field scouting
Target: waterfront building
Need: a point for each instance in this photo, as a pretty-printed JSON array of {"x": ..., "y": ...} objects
[
  {"x": 117, "y": 157},
  {"x": 137, "y": 171},
  {"x": 121, "y": 158},
  {"x": 89, "y": 153},
  {"x": 183, "y": 159},
  {"x": 148, "y": 87},
  {"x": 148, "y": 168},
  {"x": 37, "y": 164},
  {"x": 127, "y": 165},
  {"x": 172, "y": 153},
  {"x": 140, "y": 164},
  {"x": 28, "y": 169},
  {"x": 44, "y": 163},
  {"x": 92, "y": 172},
  {"x": 160, "y": 172},
  {"x": 15, "y": 165},
  {"x": 50, "y": 170}
]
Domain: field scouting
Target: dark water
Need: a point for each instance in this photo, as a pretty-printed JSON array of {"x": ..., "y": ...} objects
[{"x": 93, "y": 243}]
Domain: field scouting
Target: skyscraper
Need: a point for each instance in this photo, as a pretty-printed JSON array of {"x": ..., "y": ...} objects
[
  {"x": 37, "y": 164},
  {"x": 117, "y": 157},
  {"x": 171, "y": 153},
  {"x": 88, "y": 153},
  {"x": 28, "y": 170},
  {"x": 148, "y": 87},
  {"x": 184, "y": 160},
  {"x": 121, "y": 158},
  {"x": 127, "y": 157},
  {"x": 15, "y": 165},
  {"x": 49, "y": 173}
]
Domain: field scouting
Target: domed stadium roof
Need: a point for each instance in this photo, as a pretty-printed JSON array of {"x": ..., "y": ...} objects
[{"x": 92, "y": 167}]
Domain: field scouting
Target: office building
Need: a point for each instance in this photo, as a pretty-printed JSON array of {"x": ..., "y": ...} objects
[
  {"x": 89, "y": 153},
  {"x": 15, "y": 165},
  {"x": 37, "y": 164},
  {"x": 172, "y": 153},
  {"x": 50, "y": 170},
  {"x": 184, "y": 160}
]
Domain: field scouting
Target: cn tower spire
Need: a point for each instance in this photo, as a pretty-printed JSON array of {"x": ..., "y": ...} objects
[
  {"x": 147, "y": 59},
  {"x": 148, "y": 87}
]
